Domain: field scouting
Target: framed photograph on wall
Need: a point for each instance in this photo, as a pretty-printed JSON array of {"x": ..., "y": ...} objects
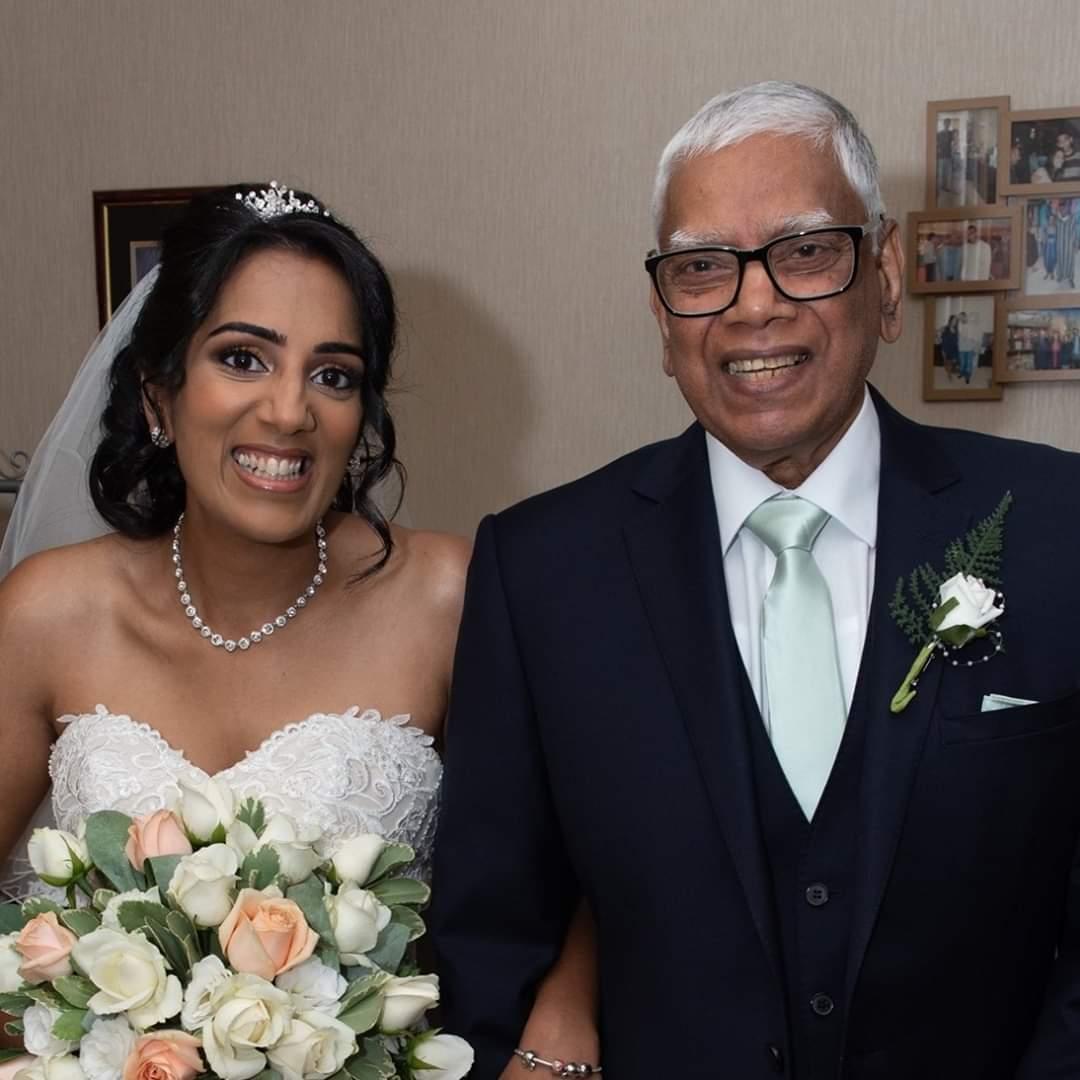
[
  {"x": 1040, "y": 340},
  {"x": 1044, "y": 152},
  {"x": 963, "y": 142},
  {"x": 961, "y": 341},
  {"x": 1051, "y": 247},
  {"x": 964, "y": 250},
  {"x": 127, "y": 237}
]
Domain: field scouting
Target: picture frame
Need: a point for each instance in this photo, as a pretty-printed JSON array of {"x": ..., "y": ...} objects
[
  {"x": 952, "y": 372},
  {"x": 968, "y": 249},
  {"x": 1024, "y": 354},
  {"x": 964, "y": 140},
  {"x": 128, "y": 226},
  {"x": 1035, "y": 136},
  {"x": 1051, "y": 245}
]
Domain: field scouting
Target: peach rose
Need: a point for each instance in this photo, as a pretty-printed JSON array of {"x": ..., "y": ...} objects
[
  {"x": 45, "y": 947},
  {"x": 164, "y": 1055},
  {"x": 264, "y": 934},
  {"x": 156, "y": 834}
]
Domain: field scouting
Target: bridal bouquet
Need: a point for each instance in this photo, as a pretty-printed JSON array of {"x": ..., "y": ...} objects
[{"x": 211, "y": 939}]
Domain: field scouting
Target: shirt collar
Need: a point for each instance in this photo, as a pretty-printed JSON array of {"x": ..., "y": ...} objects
[{"x": 845, "y": 485}]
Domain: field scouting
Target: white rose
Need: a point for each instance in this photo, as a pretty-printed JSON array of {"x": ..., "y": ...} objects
[
  {"x": 10, "y": 960},
  {"x": 105, "y": 1048},
  {"x": 242, "y": 838},
  {"x": 203, "y": 883},
  {"x": 58, "y": 857},
  {"x": 313, "y": 985},
  {"x": 293, "y": 847},
  {"x": 315, "y": 1047},
  {"x": 974, "y": 602},
  {"x": 250, "y": 1014},
  {"x": 356, "y": 917},
  {"x": 207, "y": 809},
  {"x": 130, "y": 976},
  {"x": 354, "y": 860},
  {"x": 39, "y": 1039},
  {"x": 207, "y": 977},
  {"x": 56, "y": 1068},
  {"x": 441, "y": 1057},
  {"x": 110, "y": 917},
  {"x": 406, "y": 1000}
]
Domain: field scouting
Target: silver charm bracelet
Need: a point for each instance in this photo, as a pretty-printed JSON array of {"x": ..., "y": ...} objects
[{"x": 530, "y": 1059}]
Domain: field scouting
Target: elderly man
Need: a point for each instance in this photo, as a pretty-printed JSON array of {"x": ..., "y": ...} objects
[{"x": 685, "y": 696}]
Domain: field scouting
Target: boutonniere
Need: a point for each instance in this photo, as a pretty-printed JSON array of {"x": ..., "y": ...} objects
[{"x": 945, "y": 611}]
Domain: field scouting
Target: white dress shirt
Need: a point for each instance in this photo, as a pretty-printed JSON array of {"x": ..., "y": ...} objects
[{"x": 845, "y": 485}]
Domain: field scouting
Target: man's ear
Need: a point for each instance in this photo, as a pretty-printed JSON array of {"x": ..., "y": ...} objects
[
  {"x": 663, "y": 321},
  {"x": 890, "y": 268}
]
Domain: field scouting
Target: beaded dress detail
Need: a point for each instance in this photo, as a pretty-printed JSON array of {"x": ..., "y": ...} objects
[{"x": 342, "y": 773}]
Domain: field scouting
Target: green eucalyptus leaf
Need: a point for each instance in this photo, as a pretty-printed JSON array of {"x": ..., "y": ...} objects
[
  {"x": 106, "y": 838},
  {"x": 410, "y": 920},
  {"x": 308, "y": 896},
  {"x": 393, "y": 891},
  {"x": 45, "y": 995},
  {"x": 39, "y": 905},
  {"x": 69, "y": 1024},
  {"x": 170, "y": 946},
  {"x": 102, "y": 898},
  {"x": 329, "y": 956},
  {"x": 14, "y": 1028},
  {"x": 9, "y": 1052},
  {"x": 81, "y": 921},
  {"x": 390, "y": 948},
  {"x": 15, "y": 1004},
  {"x": 373, "y": 1060},
  {"x": 136, "y": 914},
  {"x": 391, "y": 857},
  {"x": 363, "y": 987},
  {"x": 12, "y": 919},
  {"x": 160, "y": 870},
  {"x": 253, "y": 814},
  {"x": 75, "y": 990},
  {"x": 364, "y": 1015},
  {"x": 260, "y": 868}
]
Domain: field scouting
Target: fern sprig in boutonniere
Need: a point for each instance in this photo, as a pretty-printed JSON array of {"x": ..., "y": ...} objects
[{"x": 948, "y": 609}]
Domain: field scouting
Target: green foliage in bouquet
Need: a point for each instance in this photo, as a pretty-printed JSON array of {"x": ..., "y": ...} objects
[{"x": 193, "y": 918}]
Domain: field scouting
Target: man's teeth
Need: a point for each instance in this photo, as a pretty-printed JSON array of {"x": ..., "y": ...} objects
[
  {"x": 764, "y": 363},
  {"x": 271, "y": 468}
]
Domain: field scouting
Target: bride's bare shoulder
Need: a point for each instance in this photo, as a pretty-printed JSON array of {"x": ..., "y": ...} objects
[
  {"x": 49, "y": 589},
  {"x": 435, "y": 562}
]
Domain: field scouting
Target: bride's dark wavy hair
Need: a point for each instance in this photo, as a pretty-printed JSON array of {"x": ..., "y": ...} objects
[{"x": 137, "y": 487}]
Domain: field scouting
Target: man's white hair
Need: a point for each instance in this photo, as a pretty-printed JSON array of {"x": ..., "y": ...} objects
[{"x": 776, "y": 108}]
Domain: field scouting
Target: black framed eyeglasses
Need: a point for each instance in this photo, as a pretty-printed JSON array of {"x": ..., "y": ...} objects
[{"x": 807, "y": 265}]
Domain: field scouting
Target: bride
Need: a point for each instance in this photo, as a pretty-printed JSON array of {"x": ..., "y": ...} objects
[{"x": 251, "y": 616}]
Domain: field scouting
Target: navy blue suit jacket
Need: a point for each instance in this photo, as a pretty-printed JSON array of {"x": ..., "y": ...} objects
[{"x": 598, "y": 746}]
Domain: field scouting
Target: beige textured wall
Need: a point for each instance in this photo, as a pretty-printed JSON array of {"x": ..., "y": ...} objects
[{"x": 499, "y": 156}]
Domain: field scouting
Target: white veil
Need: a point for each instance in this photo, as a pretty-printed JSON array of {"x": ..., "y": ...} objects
[{"x": 53, "y": 506}]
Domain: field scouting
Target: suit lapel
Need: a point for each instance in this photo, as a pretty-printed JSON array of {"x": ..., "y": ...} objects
[
  {"x": 673, "y": 542},
  {"x": 917, "y": 518}
]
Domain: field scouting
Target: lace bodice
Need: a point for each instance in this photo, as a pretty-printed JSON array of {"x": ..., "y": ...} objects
[{"x": 342, "y": 773}]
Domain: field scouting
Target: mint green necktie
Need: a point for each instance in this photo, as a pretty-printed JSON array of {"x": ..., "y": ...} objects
[{"x": 801, "y": 665}]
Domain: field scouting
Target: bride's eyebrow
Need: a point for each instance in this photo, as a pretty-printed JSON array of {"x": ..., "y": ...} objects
[
  {"x": 277, "y": 338},
  {"x": 254, "y": 329}
]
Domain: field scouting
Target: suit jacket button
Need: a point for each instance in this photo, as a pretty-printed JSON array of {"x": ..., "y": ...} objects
[
  {"x": 822, "y": 1004},
  {"x": 817, "y": 895},
  {"x": 776, "y": 1058}
]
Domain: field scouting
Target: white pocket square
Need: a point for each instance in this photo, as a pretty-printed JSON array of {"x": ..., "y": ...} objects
[{"x": 991, "y": 702}]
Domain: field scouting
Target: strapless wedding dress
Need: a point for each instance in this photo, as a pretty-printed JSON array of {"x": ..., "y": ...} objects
[{"x": 342, "y": 773}]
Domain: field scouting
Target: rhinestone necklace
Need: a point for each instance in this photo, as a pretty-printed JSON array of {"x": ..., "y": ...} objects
[{"x": 267, "y": 628}]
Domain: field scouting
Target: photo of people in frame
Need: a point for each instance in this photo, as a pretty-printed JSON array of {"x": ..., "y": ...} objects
[
  {"x": 1044, "y": 151},
  {"x": 964, "y": 254},
  {"x": 966, "y": 157},
  {"x": 1042, "y": 343},
  {"x": 961, "y": 347},
  {"x": 1051, "y": 245}
]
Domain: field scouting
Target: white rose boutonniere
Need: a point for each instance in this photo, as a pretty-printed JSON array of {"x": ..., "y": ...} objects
[{"x": 967, "y": 601}]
